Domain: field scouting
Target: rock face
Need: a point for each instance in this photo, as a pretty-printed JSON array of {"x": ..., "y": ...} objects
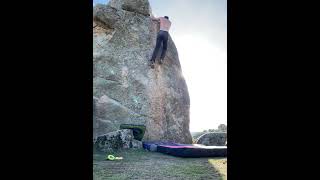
[
  {"x": 125, "y": 89},
  {"x": 213, "y": 139},
  {"x": 139, "y": 6},
  {"x": 121, "y": 139}
]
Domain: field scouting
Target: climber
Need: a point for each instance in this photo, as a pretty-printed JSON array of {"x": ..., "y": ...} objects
[{"x": 162, "y": 37}]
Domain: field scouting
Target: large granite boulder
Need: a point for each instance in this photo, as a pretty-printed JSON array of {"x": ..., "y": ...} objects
[
  {"x": 137, "y": 6},
  {"x": 213, "y": 139},
  {"x": 125, "y": 89},
  {"x": 120, "y": 139}
]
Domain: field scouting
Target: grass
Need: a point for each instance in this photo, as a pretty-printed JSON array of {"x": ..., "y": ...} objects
[
  {"x": 141, "y": 164},
  {"x": 221, "y": 165}
]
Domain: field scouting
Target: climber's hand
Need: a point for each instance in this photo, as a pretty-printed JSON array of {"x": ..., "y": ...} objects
[{"x": 154, "y": 18}]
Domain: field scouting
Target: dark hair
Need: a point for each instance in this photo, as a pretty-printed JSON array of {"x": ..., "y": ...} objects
[{"x": 166, "y": 17}]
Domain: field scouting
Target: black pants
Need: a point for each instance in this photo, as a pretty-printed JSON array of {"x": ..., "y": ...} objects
[{"x": 161, "y": 38}]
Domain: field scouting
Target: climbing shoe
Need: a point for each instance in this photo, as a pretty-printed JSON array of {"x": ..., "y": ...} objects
[
  {"x": 161, "y": 61},
  {"x": 151, "y": 64}
]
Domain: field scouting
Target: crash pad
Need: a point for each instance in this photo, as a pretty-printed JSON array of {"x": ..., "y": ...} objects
[{"x": 187, "y": 150}]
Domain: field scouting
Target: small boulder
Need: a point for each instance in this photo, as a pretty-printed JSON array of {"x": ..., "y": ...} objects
[
  {"x": 213, "y": 139},
  {"x": 120, "y": 139}
]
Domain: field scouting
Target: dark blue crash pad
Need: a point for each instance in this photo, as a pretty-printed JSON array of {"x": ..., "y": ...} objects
[{"x": 187, "y": 150}]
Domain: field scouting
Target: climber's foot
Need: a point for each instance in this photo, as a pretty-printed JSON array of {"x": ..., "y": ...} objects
[
  {"x": 161, "y": 61},
  {"x": 151, "y": 64}
]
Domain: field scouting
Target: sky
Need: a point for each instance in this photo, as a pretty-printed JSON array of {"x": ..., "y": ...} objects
[{"x": 199, "y": 31}]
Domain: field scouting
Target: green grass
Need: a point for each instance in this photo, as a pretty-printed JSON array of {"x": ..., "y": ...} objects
[
  {"x": 141, "y": 164},
  {"x": 220, "y": 164}
]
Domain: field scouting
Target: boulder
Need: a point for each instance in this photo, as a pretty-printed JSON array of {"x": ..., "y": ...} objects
[
  {"x": 121, "y": 139},
  {"x": 213, "y": 139},
  {"x": 125, "y": 89},
  {"x": 137, "y": 6}
]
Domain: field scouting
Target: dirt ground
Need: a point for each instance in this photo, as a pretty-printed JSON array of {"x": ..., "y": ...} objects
[{"x": 141, "y": 164}]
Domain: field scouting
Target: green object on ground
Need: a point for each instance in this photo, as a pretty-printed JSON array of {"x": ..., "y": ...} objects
[
  {"x": 138, "y": 130},
  {"x": 112, "y": 157}
]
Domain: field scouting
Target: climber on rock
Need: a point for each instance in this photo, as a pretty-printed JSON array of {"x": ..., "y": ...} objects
[{"x": 162, "y": 37}]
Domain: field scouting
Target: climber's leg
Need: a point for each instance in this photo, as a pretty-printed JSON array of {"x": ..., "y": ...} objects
[
  {"x": 156, "y": 49},
  {"x": 164, "y": 47}
]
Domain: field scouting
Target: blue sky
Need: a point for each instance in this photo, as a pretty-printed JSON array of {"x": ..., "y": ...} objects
[
  {"x": 199, "y": 30},
  {"x": 189, "y": 16},
  {"x": 100, "y": 1}
]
